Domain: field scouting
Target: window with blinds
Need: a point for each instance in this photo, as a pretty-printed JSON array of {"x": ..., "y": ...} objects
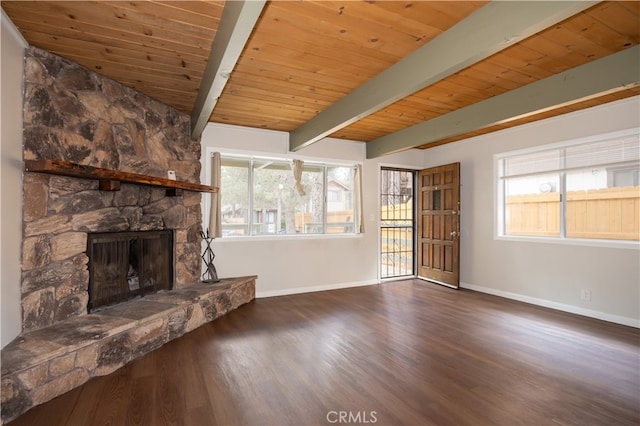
[{"x": 582, "y": 189}]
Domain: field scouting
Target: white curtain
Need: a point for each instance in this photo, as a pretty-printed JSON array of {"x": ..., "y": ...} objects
[
  {"x": 296, "y": 166},
  {"x": 357, "y": 199},
  {"x": 215, "y": 215}
]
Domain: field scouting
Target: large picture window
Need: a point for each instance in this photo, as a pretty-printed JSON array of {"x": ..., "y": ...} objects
[
  {"x": 261, "y": 196},
  {"x": 585, "y": 189}
]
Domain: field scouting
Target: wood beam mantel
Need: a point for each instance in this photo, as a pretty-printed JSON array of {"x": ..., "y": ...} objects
[
  {"x": 236, "y": 24},
  {"x": 109, "y": 180},
  {"x": 612, "y": 73},
  {"x": 491, "y": 29}
]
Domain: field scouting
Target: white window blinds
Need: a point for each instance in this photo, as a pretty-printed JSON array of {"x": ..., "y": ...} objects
[{"x": 621, "y": 150}]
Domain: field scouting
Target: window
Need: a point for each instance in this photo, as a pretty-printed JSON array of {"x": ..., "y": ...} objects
[
  {"x": 259, "y": 197},
  {"x": 333, "y": 196},
  {"x": 340, "y": 208},
  {"x": 234, "y": 196},
  {"x": 586, "y": 189}
]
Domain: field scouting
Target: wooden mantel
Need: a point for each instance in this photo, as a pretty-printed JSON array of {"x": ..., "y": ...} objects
[{"x": 109, "y": 180}]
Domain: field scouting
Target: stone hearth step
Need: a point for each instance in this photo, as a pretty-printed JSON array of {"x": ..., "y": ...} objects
[{"x": 42, "y": 364}]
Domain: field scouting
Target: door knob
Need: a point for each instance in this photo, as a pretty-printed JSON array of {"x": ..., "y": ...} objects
[{"x": 453, "y": 233}]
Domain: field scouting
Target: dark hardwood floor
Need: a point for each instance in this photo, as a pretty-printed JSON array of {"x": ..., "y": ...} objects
[{"x": 407, "y": 352}]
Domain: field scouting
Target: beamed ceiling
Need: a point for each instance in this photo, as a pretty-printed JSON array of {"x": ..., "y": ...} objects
[{"x": 392, "y": 74}]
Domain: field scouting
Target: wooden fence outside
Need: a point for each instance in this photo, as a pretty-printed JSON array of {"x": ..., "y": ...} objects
[
  {"x": 337, "y": 222},
  {"x": 611, "y": 213}
]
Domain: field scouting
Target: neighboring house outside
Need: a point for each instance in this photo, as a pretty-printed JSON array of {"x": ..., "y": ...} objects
[{"x": 338, "y": 196}]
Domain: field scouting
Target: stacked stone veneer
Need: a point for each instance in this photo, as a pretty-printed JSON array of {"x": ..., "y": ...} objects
[{"x": 73, "y": 114}]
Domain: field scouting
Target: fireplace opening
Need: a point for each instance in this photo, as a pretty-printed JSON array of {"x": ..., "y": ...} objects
[{"x": 126, "y": 265}]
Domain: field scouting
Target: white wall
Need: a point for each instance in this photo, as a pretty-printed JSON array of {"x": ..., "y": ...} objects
[
  {"x": 547, "y": 274},
  {"x": 542, "y": 273},
  {"x": 11, "y": 174},
  {"x": 302, "y": 263}
]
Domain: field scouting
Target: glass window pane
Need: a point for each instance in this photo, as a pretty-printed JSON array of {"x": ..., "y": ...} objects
[
  {"x": 310, "y": 207},
  {"x": 278, "y": 208},
  {"x": 599, "y": 198},
  {"x": 340, "y": 217},
  {"x": 396, "y": 193},
  {"x": 602, "y": 203},
  {"x": 532, "y": 205},
  {"x": 259, "y": 197},
  {"x": 234, "y": 196},
  {"x": 272, "y": 187}
]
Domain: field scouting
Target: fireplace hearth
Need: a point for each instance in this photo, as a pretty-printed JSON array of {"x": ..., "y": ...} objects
[
  {"x": 126, "y": 265},
  {"x": 45, "y": 363}
]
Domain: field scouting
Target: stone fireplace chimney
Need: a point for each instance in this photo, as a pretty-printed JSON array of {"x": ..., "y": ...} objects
[
  {"x": 72, "y": 114},
  {"x": 75, "y": 116}
]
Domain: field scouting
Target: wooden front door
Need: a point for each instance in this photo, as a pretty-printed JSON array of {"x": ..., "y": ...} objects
[{"x": 439, "y": 224}]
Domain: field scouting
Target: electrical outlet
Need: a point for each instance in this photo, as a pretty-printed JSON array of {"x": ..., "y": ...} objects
[{"x": 585, "y": 294}]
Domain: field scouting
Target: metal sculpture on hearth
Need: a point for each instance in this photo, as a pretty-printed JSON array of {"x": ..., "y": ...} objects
[{"x": 210, "y": 275}]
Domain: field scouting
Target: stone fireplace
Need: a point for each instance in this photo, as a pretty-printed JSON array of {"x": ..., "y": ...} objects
[{"x": 72, "y": 114}]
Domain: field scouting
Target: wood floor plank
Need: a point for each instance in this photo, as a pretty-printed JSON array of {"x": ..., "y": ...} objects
[{"x": 406, "y": 352}]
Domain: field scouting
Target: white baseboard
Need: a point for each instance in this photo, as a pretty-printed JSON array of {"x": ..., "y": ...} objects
[
  {"x": 631, "y": 322},
  {"x": 311, "y": 289}
]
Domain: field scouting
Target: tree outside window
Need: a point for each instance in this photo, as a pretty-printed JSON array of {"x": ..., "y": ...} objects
[{"x": 258, "y": 198}]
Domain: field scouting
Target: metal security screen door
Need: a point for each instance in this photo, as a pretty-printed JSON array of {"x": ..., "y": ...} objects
[{"x": 397, "y": 223}]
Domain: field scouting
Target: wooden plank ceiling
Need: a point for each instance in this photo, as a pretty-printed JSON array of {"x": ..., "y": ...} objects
[{"x": 304, "y": 56}]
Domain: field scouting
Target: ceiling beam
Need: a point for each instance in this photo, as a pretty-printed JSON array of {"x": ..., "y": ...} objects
[
  {"x": 490, "y": 29},
  {"x": 612, "y": 73},
  {"x": 236, "y": 24}
]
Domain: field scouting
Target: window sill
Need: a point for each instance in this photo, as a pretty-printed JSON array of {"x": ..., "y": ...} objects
[
  {"x": 633, "y": 245},
  {"x": 288, "y": 237}
]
